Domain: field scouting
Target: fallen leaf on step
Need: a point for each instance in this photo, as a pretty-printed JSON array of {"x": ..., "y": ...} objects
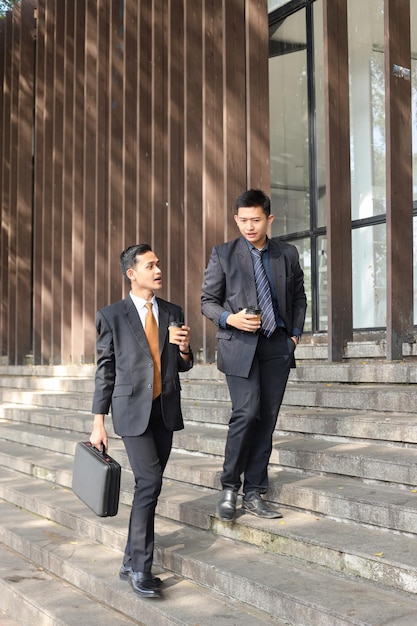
[{"x": 379, "y": 554}]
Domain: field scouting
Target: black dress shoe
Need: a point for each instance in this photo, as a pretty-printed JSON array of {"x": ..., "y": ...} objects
[
  {"x": 257, "y": 506},
  {"x": 126, "y": 569},
  {"x": 226, "y": 507},
  {"x": 143, "y": 584}
]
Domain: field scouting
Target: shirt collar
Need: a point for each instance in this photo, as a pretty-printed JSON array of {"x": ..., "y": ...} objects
[
  {"x": 141, "y": 302},
  {"x": 264, "y": 249}
]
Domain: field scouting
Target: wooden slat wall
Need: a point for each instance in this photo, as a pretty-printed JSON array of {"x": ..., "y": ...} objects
[{"x": 148, "y": 119}]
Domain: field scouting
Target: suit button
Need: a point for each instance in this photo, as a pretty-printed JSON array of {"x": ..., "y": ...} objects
[
  {"x": 150, "y": 364},
  {"x": 149, "y": 386}
]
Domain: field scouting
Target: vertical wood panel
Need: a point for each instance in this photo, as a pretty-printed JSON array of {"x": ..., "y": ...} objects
[
  {"x": 193, "y": 192},
  {"x": 68, "y": 166},
  {"x": 38, "y": 175},
  {"x": 257, "y": 37},
  {"x": 57, "y": 178},
  {"x": 159, "y": 136},
  {"x": 235, "y": 89},
  {"x": 81, "y": 156},
  {"x": 3, "y": 260},
  {"x": 115, "y": 208},
  {"x": 102, "y": 117},
  {"x": 92, "y": 226},
  {"x": 24, "y": 184},
  {"x": 175, "y": 167},
  {"x": 144, "y": 96},
  {"x": 130, "y": 109},
  {"x": 5, "y": 181},
  {"x": 13, "y": 212},
  {"x": 142, "y": 133},
  {"x": 399, "y": 169},
  {"x": 339, "y": 245},
  {"x": 214, "y": 198},
  {"x": 48, "y": 215}
]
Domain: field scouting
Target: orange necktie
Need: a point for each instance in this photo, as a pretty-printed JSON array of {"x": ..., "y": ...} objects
[{"x": 151, "y": 332}]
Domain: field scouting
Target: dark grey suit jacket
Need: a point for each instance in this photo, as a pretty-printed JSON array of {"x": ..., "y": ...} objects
[
  {"x": 124, "y": 375},
  {"x": 229, "y": 285}
]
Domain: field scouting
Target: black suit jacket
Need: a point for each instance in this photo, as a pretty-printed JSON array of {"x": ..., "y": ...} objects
[
  {"x": 229, "y": 285},
  {"x": 124, "y": 375}
]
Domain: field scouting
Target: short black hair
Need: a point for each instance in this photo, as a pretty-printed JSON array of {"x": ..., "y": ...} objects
[
  {"x": 128, "y": 257},
  {"x": 253, "y": 197}
]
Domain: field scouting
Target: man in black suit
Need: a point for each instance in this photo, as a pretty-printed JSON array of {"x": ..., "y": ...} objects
[
  {"x": 143, "y": 389},
  {"x": 256, "y": 356}
]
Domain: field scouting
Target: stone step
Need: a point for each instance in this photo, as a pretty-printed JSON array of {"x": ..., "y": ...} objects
[
  {"x": 340, "y": 497},
  {"x": 94, "y": 567},
  {"x": 376, "y": 504},
  {"x": 370, "y": 553},
  {"x": 75, "y": 378},
  {"x": 354, "y": 425},
  {"x": 378, "y": 372},
  {"x": 368, "y": 461},
  {"x": 332, "y": 385},
  {"x": 351, "y": 424},
  {"x": 374, "y": 397},
  {"x": 34, "y": 596},
  {"x": 262, "y": 588},
  {"x": 390, "y": 463},
  {"x": 47, "y": 399}
]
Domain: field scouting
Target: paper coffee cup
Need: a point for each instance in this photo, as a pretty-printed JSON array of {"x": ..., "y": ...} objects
[
  {"x": 251, "y": 310},
  {"x": 172, "y": 329}
]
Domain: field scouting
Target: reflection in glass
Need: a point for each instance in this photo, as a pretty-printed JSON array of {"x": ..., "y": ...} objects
[
  {"x": 288, "y": 104},
  {"x": 369, "y": 253},
  {"x": 322, "y": 282},
  {"x": 304, "y": 250},
  {"x": 367, "y": 107},
  {"x": 413, "y": 9}
]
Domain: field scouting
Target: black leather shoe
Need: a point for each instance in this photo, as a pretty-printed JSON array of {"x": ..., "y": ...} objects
[
  {"x": 257, "y": 506},
  {"x": 143, "y": 584},
  {"x": 226, "y": 507},
  {"x": 126, "y": 569}
]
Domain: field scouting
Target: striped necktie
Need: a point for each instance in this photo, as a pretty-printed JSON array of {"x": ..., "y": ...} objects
[
  {"x": 264, "y": 294},
  {"x": 151, "y": 332}
]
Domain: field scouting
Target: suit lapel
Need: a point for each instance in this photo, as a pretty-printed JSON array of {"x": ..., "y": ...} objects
[
  {"x": 279, "y": 271},
  {"x": 246, "y": 270},
  {"x": 133, "y": 319},
  {"x": 163, "y": 323}
]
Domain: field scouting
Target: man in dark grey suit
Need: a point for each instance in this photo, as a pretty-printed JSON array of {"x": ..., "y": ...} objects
[
  {"x": 256, "y": 356},
  {"x": 143, "y": 390}
]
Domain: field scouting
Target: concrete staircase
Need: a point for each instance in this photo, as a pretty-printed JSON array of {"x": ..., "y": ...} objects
[{"x": 343, "y": 472}]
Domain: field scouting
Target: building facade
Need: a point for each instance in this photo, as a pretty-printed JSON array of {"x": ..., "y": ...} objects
[
  {"x": 126, "y": 121},
  {"x": 374, "y": 99}
]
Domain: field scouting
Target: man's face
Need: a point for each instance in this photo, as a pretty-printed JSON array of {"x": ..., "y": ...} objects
[
  {"x": 146, "y": 276},
  {"x": 253, "y": 224}
]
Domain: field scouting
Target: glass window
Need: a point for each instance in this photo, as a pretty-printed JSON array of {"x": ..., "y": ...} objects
[
  {"x": 319, "y": 119},
  {"x": 288, "y": 104},
  {"x": 414, "y": 101},
  {"x": 321, "y": 264},
  {"x": 367, "y": 144},
  {"x": 414, "y": 131},
  {"x": 367, "y": 107},
  {"x": 304, "y": 250},
  {"x": 276, "y": 4},
  {"x": 369, "y": 253}
]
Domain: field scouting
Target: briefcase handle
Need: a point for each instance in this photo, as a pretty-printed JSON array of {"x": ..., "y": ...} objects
[{"x": 102, "y": 450}]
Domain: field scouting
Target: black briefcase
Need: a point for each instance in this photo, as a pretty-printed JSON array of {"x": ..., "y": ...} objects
[{"x": 96, "y": 479}]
